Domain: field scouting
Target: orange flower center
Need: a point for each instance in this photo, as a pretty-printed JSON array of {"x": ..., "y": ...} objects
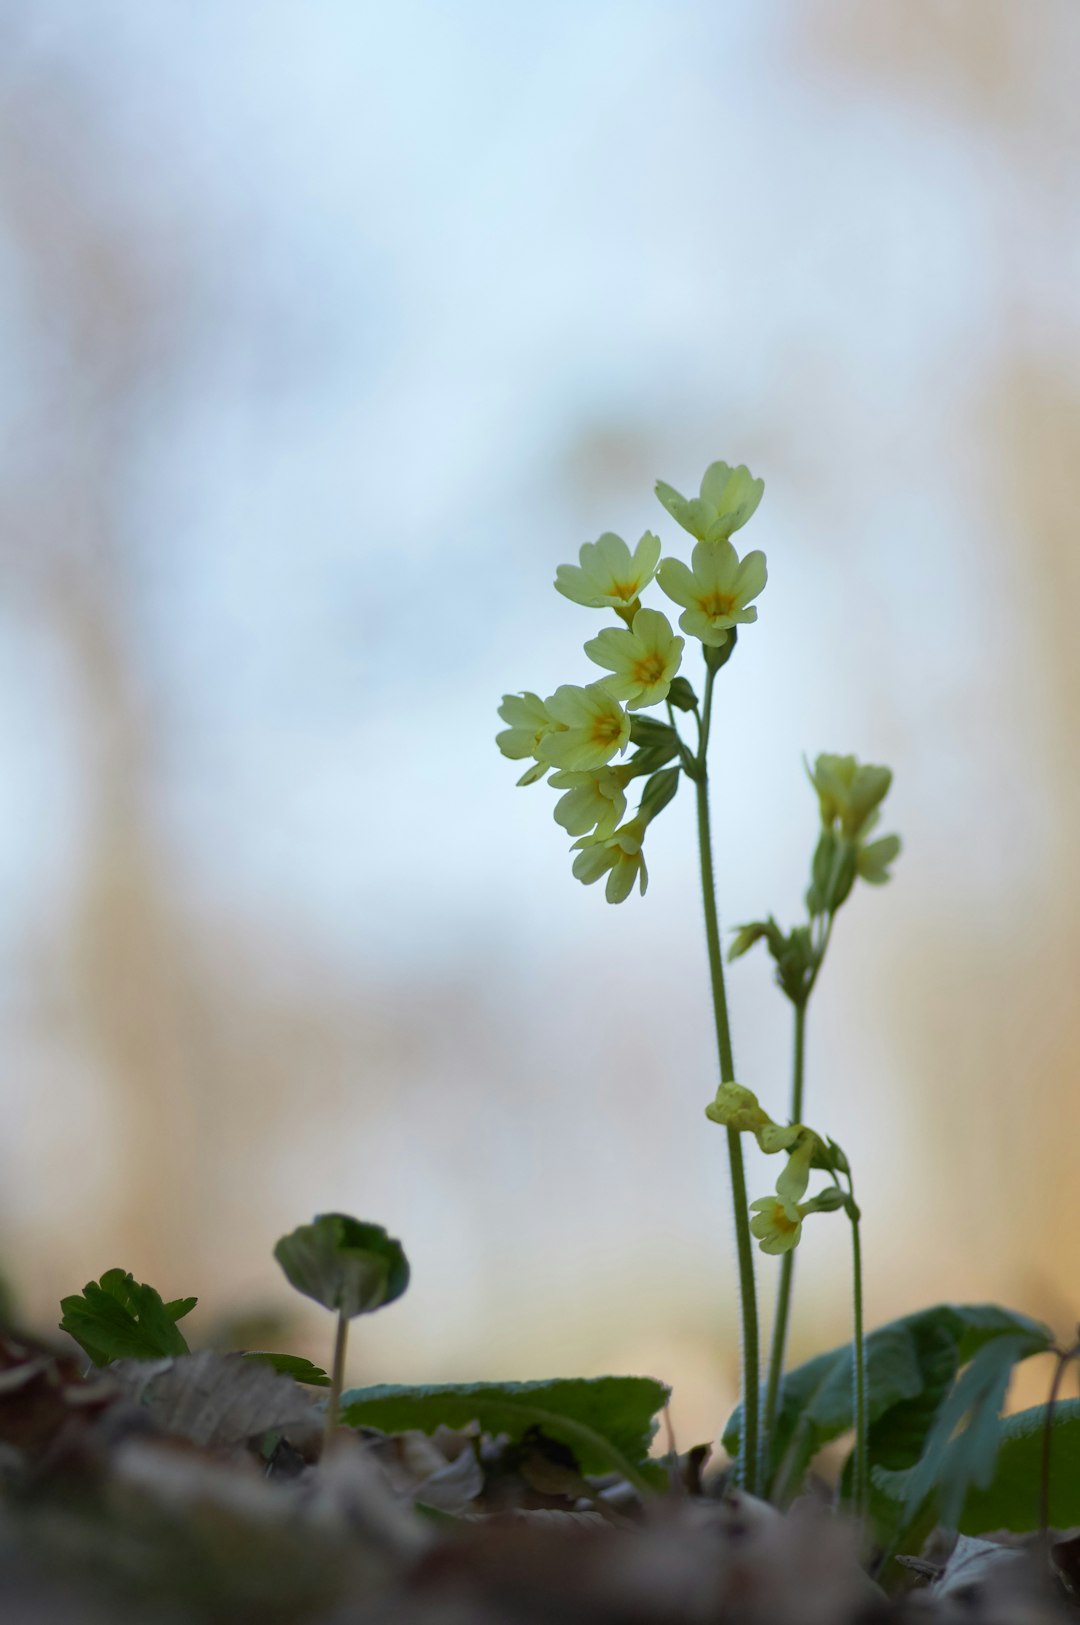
[
  {"x": 781, "y": 1222},
  {"x": 606, "y": 728},
  {"x": 715, "y": 604},
  {"x": 649, "y": 669}
]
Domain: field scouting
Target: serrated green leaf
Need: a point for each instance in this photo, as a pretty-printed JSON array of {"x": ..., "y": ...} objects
[
  {"x": 116, "y": 1318},
  {"x": 345, "y": 1264},
  {"x": 908, "y": 1362},
  {"x": 291, "y": 1365},
  {"x": 607, "y": 1421},
  {"x": 1011, "y": 1499}
]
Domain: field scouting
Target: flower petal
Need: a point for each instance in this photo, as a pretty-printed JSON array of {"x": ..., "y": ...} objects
[{"x": 677, "y": 581}]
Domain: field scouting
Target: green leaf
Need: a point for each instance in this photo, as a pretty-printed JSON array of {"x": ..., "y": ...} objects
[
  {"x": 960, "y": 1448},
  {"x": 745, "y": 938},
  {"x": 116, "y": 1318},
  {"x": 291, "y": 1365},
  {"x": 911, "y": 1366},
  {"x": 348, "y": 1266},
  {"x": 179, "y": 1307},
  {"x": 607, "y": 1421},
  {"x": 962, "y": 1445},
  {"x": 1010, "y": 1500},
  {"x": 681, "y": 695}
]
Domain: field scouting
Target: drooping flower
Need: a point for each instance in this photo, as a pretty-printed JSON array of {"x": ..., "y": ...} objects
[
  {"x": 873, "y": 860},
  {"x": 795, "y": 1176},
  {"x": 729, "y": 497},
  {"x": 530, "y": 722},
  {"x": 777, "y": 1225},
  {"x": 594, "y": 801},
  {"x": 642, "y": 659},
  {"x": 739, "y": 1108},
  {"x": 849, "y": 793},
  {"x": 619, "y": 857},
  {"x": 609, "y": 575},
  {"x": 716, "y": 591},
  {"x": 592, "y": 727}
]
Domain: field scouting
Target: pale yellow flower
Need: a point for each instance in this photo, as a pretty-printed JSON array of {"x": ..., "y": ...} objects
[
  {"x": 739, "y": 1108},
  {"x": 609, "y": 575},
  {"x": 849, "y": 792},
  {"x": 594, "y": 801},
  {"x": 619, "y": 857},
  {"x": 716, "y": 591},
  {"x": 729, "y": 496},
  {"x": 643, "y": 659},
  {"x": 793, "y": 1180},
  {"x": 592, "y": 728},
  {"x": 777, "y": 1225},
  {"x": 530, "y": 721}
]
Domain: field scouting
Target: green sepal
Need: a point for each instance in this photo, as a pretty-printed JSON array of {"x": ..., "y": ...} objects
[
  {"x": 346, "y": 1265},
  {"x": 658, "y": 792},
  {"x": 657, "y": 744},
  {"x": 830, "y": 1200},
  {"x": 832, "y": 873},
  {"x": 681, "y": 695},
  {"x": 716, "y": 657}
]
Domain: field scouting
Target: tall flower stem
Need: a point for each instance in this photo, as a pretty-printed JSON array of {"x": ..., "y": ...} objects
[
  {"x": 782, "y": 1311},
  {"x": 862, "y": 1460},
  {"x": 748, "y": 1464}
]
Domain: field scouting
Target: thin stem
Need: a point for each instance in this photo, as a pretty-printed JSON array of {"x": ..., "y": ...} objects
[
  {"x": 798, "y": 1063},
  {"x": 337, "y": 1381},
  {"x": 712, "y": 936},
  {"x": 782, "y": 1311},
  {"x": 686, "y": 757},
  {"x": 862, "y": 1460},
  {"x": 750, "y": 1370}
]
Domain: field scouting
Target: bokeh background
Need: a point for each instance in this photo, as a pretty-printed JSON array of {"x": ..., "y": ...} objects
[{"x": 328, "y": 331}]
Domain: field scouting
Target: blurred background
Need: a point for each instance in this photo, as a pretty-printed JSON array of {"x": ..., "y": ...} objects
[{"x": 328, "y": 332}]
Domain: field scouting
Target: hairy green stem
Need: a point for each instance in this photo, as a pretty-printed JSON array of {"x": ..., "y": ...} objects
[
  {"x": 862, "y": 1458},
  {"x": 748, "y": 1464},
  {"x": 337, "y": 1381},
  {"x": 782, "y": 1312}
]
